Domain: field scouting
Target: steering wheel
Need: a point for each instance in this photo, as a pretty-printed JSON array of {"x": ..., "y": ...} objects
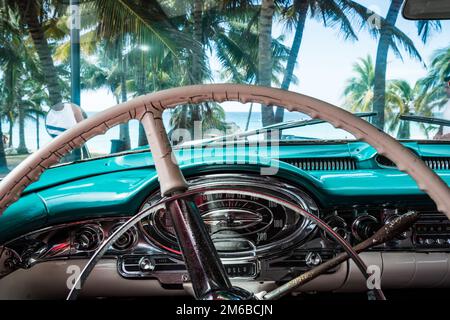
[{"x": 202, "y": 261}]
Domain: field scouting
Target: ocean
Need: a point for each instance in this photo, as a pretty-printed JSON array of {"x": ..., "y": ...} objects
[{"x": 102, "y": 144}]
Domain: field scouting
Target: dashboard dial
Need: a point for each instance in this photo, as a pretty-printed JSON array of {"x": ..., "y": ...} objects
[
  {"x": 88, "y": 237},
  {"x": 127, "y": 241},
  {"x": 240, "y": 225}
]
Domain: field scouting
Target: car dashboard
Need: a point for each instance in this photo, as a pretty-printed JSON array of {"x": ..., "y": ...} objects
[{"x": 261, "y": 243}]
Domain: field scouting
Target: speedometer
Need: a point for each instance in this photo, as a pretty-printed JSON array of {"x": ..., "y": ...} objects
[{"x": 240, "y": 225}]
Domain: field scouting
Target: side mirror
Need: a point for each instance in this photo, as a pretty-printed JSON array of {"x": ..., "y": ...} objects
[
  {"x": 60, "y": 118},
  {"x": 426, "y": 9}
]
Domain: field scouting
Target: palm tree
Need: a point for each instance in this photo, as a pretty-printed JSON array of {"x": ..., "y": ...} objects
[
  {"x": 138, "y": 22},
  {"x": 198, "y": 55},
  {"x": 227, "y": 31},
  {"x": 381, "y": 61},
  {"x": 401, "y": 99},
  {"x": 237, "y": 51},
  {"x": 3, "y": 162},
  {"x": 33, "y": 18},
  {"x": 8, "y": 62},
  {"x": 35, "y": 99},
  {"x": 439, "y": 69},
  {"x": 21, "y": 75},
  {"x": 11, "y": 61},
  {"x": 38, "y": 114},
  {"x": 10, "y": 94},
  {"x": 124, "y": 130},
  {"x": 208, "y": 27},
  {"x": 265, "y": 55},
  {"x": 389, "y": 38},
  {"x": 29, "y": 107},
  {"x": 141, "y": 84},
  {"x": 332, "y": 13},
  {"x": 214, "y": 117},
  {"x": 149, "y": 66},
  {"x": 358, "y": 91},
  {"x": 10, "y": 114},
  {"x": 22, "y": 148}
]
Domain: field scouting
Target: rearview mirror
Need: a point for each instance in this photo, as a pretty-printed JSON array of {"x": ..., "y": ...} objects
[{"x": 426, "y": 9}]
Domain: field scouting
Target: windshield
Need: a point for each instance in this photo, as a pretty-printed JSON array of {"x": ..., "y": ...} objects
[{"x": 62, "y": 61}]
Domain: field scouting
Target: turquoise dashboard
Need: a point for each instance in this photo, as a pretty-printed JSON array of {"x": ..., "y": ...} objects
[{"x": 335, "y": 174}]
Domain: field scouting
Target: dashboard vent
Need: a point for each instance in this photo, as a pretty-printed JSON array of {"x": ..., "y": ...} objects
[
  {"x": 385, "y": 162},
  {"x": 437, "y": 163},
  {"x": 323, "y": 164},
  {"x": 434, "y": 163}
]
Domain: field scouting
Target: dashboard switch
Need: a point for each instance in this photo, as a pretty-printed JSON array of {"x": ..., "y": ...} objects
[
  {"x": 364, "y": 227},
  {"x": 313, "y": 259},
  {"x": 146, "y": 265}
]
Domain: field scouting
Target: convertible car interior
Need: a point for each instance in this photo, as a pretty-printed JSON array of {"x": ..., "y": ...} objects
[
  {"x": 253, "y": 214},
  {"x": 115, "y": 214}
]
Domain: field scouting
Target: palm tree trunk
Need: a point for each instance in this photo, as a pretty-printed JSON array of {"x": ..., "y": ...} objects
[
  {"x": 404, "y": 130},
  {"x": 197, "y": 59},
  {"x": 29, "y": 13},
  {"x": 11, "y": 125},
  {"x": 3, "y": 163},
  {"x": 293, "y": 56},
  {"x": 384, "y": 43},
  {"x": 124, "y": 134},
  {"x": 37, "y": 132},
  {"x": 265, "y": 55},
  {"x": 142, "y": 139},
  {"x": 124, "y": 130},
  {"x": 249, "y": 116},
  {"x": 22, "y": 148},
  {"x": 198, "y": 38}
]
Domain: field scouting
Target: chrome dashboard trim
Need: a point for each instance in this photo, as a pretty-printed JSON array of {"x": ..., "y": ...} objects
[{"x": 268, "y": 184}]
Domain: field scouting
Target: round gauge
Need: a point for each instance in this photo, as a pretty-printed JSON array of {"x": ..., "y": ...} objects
[
  {"x": 240, "y": 225},
  {"x": 88, "y": 237},
  {"x": 127, "y": 240}
]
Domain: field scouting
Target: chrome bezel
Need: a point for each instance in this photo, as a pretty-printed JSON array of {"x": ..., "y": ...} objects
[
  {"x": 358, "y": 221},
  {"x": 267, "y": 184},
  {"x": 96, "y": 229},
  {"x": 133, "y": 232}
]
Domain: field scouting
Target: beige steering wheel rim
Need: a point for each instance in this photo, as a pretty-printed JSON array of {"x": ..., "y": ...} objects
[{"x": 148, "y": 109}]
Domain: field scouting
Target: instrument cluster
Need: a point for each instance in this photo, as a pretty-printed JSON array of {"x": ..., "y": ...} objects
[
  {"x": 247, "y": 230},
  {"x": 240, "y": 225},
  {"x": 72, "y": 240}
]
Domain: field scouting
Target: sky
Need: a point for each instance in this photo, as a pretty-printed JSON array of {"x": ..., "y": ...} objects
[{"x": 325, "y": 61}]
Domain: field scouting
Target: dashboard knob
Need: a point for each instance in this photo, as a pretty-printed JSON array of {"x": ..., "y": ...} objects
[
  {"x": 364, "y": 227},
  {"x": 88, "y": 237},
  {"x": 313, "y": 259},
  {"x": 145, "y": 264},
  {"x": 338, "y": 225},
  {"x": 127, "y": 241}
]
